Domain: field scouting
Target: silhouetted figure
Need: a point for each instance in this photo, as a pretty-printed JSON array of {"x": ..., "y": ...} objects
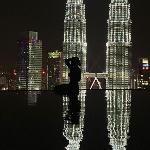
[{"x": 75, "y": 74}]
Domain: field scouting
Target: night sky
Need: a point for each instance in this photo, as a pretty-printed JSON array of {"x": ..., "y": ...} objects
[{"x": 46, "y": 17}]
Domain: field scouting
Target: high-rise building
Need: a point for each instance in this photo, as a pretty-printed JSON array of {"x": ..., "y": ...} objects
[
  {"x": 29, "y": 70},
  {"x": 7, "y": 78},
  {"x": 45, "y": 78},
  {"x": 74, "y": 44},
  {"x": 143, "y": 79},
  {"x": 54, "y": 69},
  {"x": 118, "y": 46},
  {"x": 3, "y": 80},
  {"x": 118, "y": 69}
]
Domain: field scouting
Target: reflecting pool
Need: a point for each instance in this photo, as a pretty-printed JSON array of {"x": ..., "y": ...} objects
[{"x": 96, "y": 119}]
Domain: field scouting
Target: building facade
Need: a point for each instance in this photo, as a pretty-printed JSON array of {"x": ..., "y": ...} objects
[
  {"x": 7, "y": 78},
  {"x": 29, "y": 70},
  {"x": 74, "y": 44},
  {"x": 3, "y": 81},
  {"x": 118, "y": 46},
  {"x": 54, "y": 69},
  {"x": 143, "y": 77}
]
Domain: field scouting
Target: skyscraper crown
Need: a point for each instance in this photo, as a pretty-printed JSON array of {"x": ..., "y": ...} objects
[
  {"x": 119, "y": 1},
  {"x": 75, "y": 1}
]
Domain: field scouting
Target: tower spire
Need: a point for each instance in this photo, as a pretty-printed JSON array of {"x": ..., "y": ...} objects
[
  {"x": 75, "y": 1},
  {"x": 119, "y": 1}
]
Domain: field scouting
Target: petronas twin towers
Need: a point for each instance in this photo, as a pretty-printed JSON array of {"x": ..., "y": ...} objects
[
  {"x": 118, "y": 45},
  {"x": 117, "y": 70}
]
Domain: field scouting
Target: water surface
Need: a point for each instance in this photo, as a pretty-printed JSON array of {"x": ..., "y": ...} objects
[{"x": 118, "y": 120}]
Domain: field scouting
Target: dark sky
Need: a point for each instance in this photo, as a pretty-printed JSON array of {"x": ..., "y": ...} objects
[{"x": 47, "y": 17}]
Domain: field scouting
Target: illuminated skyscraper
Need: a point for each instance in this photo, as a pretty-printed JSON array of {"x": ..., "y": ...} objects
[
  {"x": 29, "y": 69},
  {"x": 3, "y": 80},
  {"x": 118, "y": 116},
  {"x": 118, "y": 68},
  {"x": 54, "y": 69},
  {"x": 118, "y": 45},
  {"x": 75, "y": 36}
]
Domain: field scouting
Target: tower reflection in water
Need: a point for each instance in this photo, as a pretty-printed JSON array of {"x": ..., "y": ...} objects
[
  {"x": 32, "y": 97},
  {"x": 118, "y": 117},
  {"x": 73, "y": 114}
]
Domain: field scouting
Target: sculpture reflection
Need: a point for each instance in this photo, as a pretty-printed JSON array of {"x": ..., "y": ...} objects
[{"x": 118, "y": 116}]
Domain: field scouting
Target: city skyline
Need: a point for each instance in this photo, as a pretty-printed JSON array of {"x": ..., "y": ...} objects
[
  {"x": 50, "y": 28},
  {"x": 59, "y": 52}
]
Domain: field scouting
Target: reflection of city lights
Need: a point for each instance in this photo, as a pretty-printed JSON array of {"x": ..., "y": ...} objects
[
  {"x": 74, "y": 132},
  {"x": 33, "y": 96},
  {"x": 118, "y": 116}
]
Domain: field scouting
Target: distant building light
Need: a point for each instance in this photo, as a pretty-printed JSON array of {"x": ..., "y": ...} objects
[
  {"x": 4, "y": 89},
  {"x": 43, "y": 72},
  {"x": 55, "y": 54},
  {"x": 37, "y": 88},
  {"x": 145, "y": 60},
  {"x": 145, "y": 65},
  {"x": 145, "y": 68}
]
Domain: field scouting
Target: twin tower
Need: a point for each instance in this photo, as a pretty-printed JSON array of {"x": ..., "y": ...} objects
[{"x": 118, "y": 64}]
